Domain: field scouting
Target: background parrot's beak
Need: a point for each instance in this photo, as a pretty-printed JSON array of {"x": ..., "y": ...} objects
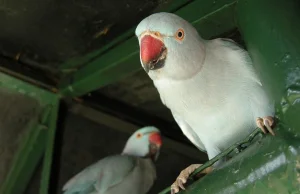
[
  {"x": 155, "y": 144},
  {"x": 155, "y": 138},
  {"x": 153, "y": 53}
]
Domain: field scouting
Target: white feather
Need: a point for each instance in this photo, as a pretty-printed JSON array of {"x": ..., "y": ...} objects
[
  {"x": 221, "y": 102},
  {"x": 210, "y": 87}
]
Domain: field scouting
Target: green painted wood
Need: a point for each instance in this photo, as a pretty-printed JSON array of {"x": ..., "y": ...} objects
[
  {"x": 75, "y": 63},
  {"x": 11, "y": 83},
  {"x": 271, "y": 165},
  {"x": 47, "y": 164},
  {"x": 26, "y": 159},
  {"x": 271, "y": 32},
  {"x": 33, "y": 144},
  {"x": 211, "y": 18}
]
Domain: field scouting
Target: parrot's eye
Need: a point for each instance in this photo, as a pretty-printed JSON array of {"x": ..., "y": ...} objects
[
  {"x": 139, "y": 135},
  {"x": 179, "y": 34}
]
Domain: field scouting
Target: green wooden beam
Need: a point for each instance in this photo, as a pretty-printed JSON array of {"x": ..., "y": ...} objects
[
  {"x": 79, "y": 61},
  {"x": 271, "y": 165},
  {"x": 25, "y": 160},
  {"x": 112, "y": 63},
  {"x": 47, "y": 164},
  {"x": 271, "y": 32},
  {"x": 11, "y": 83},
  {"x": 33, "y": 144}
]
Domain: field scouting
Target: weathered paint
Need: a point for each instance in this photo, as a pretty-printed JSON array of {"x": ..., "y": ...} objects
[{"x": 33, "y": 146}]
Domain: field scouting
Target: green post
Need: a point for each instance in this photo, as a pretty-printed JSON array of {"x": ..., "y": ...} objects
[
  {"x": 37, "y": 142},
  {"x": 47, "y": 163},
  {"x": 271, "y": 30}
]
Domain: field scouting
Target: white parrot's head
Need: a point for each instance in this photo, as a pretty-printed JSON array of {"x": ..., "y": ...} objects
[
  {"x": 145, "y": 142},
  {"x": 170, "y": 47}
]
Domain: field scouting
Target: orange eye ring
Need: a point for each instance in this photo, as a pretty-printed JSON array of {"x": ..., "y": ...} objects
[
  {"x": 139, "y": 135},
  {"x": 179, "y": 35}
]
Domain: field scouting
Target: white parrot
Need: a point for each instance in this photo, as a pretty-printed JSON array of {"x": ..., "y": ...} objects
[
  {"x": 210, "y": 86},
  {"x": 131, "y": 172}
]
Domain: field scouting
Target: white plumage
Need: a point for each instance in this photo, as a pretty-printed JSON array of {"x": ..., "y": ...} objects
[
  {"x": 219, "y": 105},
  {"x": 210, "y": 86}
]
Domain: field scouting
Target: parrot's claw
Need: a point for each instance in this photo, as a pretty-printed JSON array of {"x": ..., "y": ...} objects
[
  {"x": 184, "y": 175},
  {"x": 266, "y": 123}
]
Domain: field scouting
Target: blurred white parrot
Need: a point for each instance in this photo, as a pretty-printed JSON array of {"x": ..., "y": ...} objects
[
  {"x": 131, "y": 172},
  {"x": 210, "y": 86}
]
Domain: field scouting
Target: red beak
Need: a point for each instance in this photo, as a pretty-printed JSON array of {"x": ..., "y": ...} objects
[
  {"x": 155, "y": 138},
  {"x": 151, "y": 50}
]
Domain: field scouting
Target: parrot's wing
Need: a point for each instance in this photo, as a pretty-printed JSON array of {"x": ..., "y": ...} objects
[
  {"x": 259, "y": 101},
  {"x": 234, "y": 46},
  {"x": 102, "y": 175},
  {"x": 189, "y": 132},
  {"x": 231, "y": 43}
]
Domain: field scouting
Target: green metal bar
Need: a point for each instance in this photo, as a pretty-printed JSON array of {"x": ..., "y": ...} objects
[
  {"x": 26, "y": 159},
  {"x": 74, "y": 63},
  {"x": 33, "y": 144},
  {"x": 271, "y": 31},
  {"x": 209, "y": 17},
  {"x": 225, "y": 153},
  {"x": 43, "y": 96},
  {"x": 270, "y": 165},
  {"x": 46, "y": 173}
]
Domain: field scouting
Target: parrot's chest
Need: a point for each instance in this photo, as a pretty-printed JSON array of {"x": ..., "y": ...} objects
[
  {"x": 190, "y": 100},
  {"x": 215, "y": 114},
  {"x": 219, "y": 105}
]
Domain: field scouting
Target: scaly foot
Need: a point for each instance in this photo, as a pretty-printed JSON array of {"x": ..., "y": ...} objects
[
  {"x": 184, "y": 175},
  {"x": 265, "y": 123}
]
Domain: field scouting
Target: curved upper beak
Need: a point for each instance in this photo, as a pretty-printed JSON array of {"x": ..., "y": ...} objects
[
  {"x": 152, "y": 52},
  {"x": 155, "y": 138},
  {"x": 155, "y": 144}
]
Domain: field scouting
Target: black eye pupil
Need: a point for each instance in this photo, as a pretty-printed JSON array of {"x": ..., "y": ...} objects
[{"x": 179, "y": 34}]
